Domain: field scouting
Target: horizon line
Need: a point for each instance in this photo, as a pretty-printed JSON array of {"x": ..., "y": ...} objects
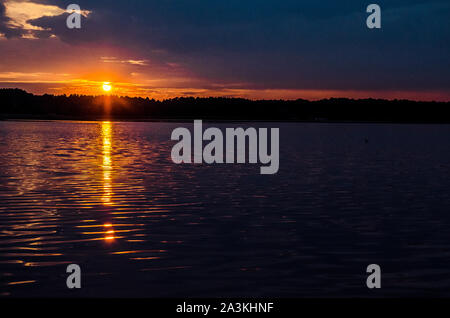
[{"x": 228, "y": 97}]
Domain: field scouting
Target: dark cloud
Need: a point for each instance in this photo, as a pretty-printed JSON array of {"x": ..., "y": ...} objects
[{"x": 278, "y": 43}]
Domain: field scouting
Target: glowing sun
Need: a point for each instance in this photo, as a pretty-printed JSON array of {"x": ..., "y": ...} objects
[{"x": 107, "y": 86}]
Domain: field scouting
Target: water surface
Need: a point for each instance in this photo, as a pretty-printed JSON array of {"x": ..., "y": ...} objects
[{"x": 107, "y": 196}]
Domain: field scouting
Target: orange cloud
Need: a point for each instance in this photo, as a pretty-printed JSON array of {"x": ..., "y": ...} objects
[{"x": 20, "y": 12}]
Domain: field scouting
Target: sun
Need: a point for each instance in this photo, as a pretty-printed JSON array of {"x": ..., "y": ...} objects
[{"x": 107, "y": 86}]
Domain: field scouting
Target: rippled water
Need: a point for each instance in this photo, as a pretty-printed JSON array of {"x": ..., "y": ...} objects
[{"x": 107, "y": 196}]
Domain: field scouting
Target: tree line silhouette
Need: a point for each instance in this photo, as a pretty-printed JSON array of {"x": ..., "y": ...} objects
[{"x": 18, "y": 104}]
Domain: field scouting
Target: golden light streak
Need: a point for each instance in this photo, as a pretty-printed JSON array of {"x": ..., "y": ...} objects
[
  {"x": 22, "y": 282},
  {"x": 107, "y": 163},
  {"x": 109, "y": 232}
]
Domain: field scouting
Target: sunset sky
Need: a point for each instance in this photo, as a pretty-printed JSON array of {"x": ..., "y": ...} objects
[{"x": 238, "y": 48}]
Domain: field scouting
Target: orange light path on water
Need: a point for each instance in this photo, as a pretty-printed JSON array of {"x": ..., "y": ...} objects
[{"x": 107, "y": 163}]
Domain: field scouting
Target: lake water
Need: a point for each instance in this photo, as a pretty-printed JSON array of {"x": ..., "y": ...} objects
[{"x": 107, "y": 196}]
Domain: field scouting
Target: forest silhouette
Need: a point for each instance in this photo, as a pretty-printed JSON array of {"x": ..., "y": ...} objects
[{"x": 19, "y": 104}]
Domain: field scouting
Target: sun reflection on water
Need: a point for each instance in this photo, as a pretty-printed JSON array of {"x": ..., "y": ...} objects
[
  {"x": 107, "y": 163},
  {"x": 109, "y": 232}
]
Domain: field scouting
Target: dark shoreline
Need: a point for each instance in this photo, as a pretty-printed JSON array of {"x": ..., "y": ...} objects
[
  {"x": 16, "y": 104},
  {"x": 213, "y": 120}
]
